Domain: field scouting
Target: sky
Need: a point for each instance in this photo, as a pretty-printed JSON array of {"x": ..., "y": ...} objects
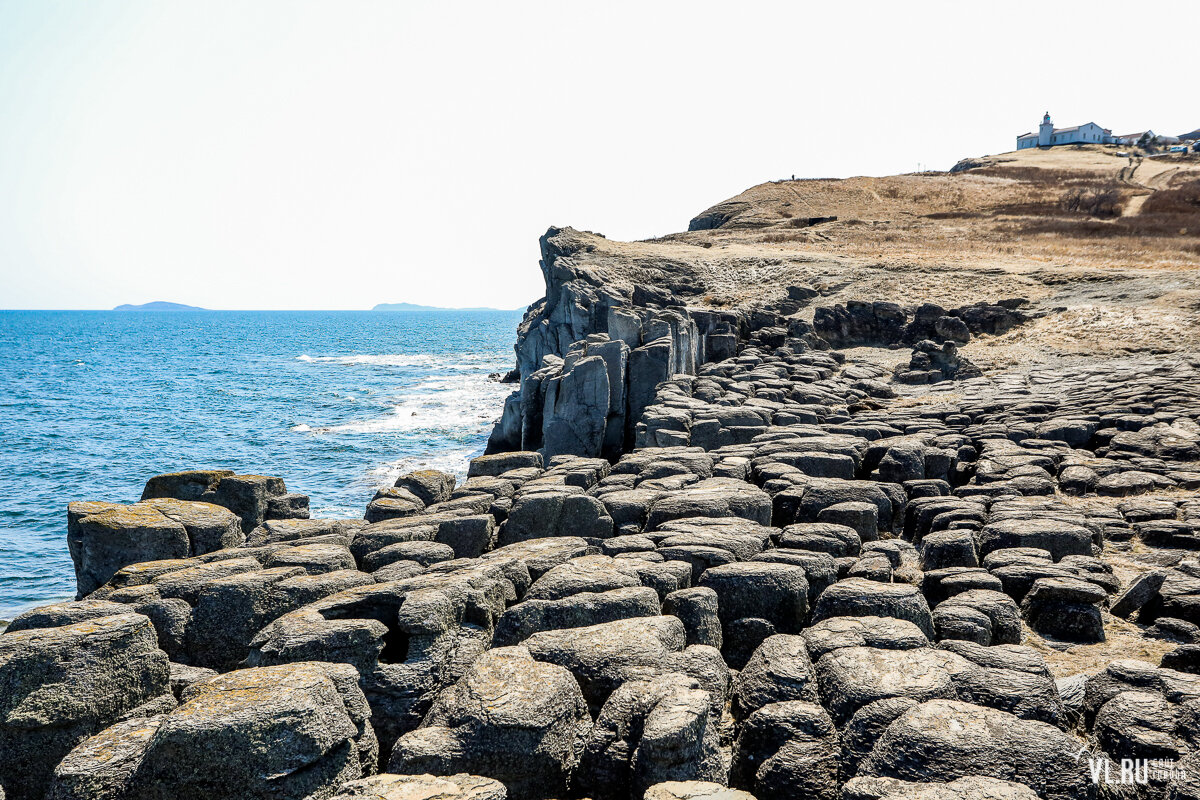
[{"x": 333, "y": 155}]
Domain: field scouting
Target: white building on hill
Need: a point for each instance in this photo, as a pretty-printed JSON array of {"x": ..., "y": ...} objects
[
  {"x": 1047, "y": 135},
  {"x": 1136, "y": 137}
]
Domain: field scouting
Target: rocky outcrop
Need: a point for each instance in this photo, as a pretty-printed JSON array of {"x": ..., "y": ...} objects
[
  {"x": 709, "y": 554},
  {"x": 520, "y": 721},
  {"x": 65, "y": 682},
  {"x": 859, "y": 322},
  {"x": 591, "y": 353},
  {"x": 181, "y": 514},
  {"x": 283, "y": 732}
]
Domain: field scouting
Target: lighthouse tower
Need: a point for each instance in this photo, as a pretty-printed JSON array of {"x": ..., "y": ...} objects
[{"x": 1045, "y": 131}]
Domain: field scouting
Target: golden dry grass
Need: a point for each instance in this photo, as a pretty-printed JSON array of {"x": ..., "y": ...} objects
[
  {"x": 982, "y": 215},
  {"x": 999, "y": 230}
]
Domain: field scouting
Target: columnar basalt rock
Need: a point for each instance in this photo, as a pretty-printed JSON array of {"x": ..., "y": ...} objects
[
  {"x": 66, "y": 679},
  {"x": 709, "y": 553},
  {"x": 288, "y": 732}
]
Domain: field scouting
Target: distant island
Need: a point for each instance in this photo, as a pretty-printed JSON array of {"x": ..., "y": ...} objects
[
  {"x": 416, "y": 307},
  {"x": 158, "y": 305}
]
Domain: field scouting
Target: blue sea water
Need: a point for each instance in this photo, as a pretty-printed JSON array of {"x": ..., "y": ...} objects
[{"x": 92, "y": 403}]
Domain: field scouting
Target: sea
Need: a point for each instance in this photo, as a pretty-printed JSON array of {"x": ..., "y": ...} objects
[{"x": 337, "y": 403}]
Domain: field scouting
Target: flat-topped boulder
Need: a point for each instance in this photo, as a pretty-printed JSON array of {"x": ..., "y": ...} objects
[
  {"x": 117, "y": 536},
  {"x": 510, "y": 718},
  {"x": 851, "y": 677},
  {"x": 859, "y": 597},
  {"x": 295, "y": 731},
  {"x": 500, "y": 463},
  {"x": 604, "y": 656},
  {"x": 715, "y": 497},
  {"x": 1058, "y": 538},
  {"x": 943, "y": 740},
  {"x": 887, "y": 633},
  {"x": 65, "y": 683}
]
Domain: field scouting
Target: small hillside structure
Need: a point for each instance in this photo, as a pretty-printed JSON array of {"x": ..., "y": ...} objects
[
  {"x": 1137, "y": 137},
  {"x": 1048, "y": 136}
]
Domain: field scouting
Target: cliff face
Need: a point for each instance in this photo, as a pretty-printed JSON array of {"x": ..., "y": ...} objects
[{"x": 592, "y": 351}]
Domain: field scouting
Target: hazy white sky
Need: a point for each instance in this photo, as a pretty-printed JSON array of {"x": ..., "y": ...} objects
[{"x": 295, "y": 154}]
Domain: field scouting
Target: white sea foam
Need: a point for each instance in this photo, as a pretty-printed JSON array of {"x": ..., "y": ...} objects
[
  {"x": 439, "y": 417},
  {"x": 452, "y": 461},
  {"x": 458, "y": 361},
  {"x": 457, "y": 411}
]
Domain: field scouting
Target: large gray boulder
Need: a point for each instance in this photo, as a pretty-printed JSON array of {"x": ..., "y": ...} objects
[
  {"x": 229, "y": 612},
  {"x": 1058, "y": 537},
  {"x": 887, "y": 633},
  {"x": 756, "y": 599},
  {"x": 510, "y": 718},
  {"x": 984, "y": 616},
  {"x": 714, "y": 497},
  {"x": 787, "y": 750},
  {"x": 574, "y": 611},
  {"x": 209, "y": 527},
  {"x": 499, "y": 463},
  {"x": 1065, "y": 608},
  {"x": 57, "y": 615},
  {"x": 61, "y": 685},
  {"x": 1139, "y": 725},
  {"x": 427, "y": 485},
  {"x": 851, "y": 677},
  {"x": 651, "y": 731},
  {"x": 602, "y": 657},
  {"x": 196, "y": 484},
  {"x": 549, "y": 513},
  {"x": 296, "y": 731},
  {"x": 943, "y": 740},
  {"x": 103, "y": 542},
  {"x": 859, "y": 597},
  {"x": 779, "y": 670},
  {"x": 1010, "y": 678}
]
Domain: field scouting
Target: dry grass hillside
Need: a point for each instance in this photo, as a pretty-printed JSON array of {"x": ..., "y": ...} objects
[
  {"x": 1082, "y": 206},
  {"x": 1107, "y": 245}
]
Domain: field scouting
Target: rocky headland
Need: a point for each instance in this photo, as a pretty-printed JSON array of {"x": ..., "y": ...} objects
[{"x": 756, "y": 522}]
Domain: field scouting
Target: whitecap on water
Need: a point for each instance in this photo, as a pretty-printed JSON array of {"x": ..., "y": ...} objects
[
  {"x": 451, "y": 461},
  {"x": 458, "y": 361}
]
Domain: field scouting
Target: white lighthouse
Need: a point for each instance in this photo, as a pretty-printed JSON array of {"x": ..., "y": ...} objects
[{"x": 1046, "y": 131}]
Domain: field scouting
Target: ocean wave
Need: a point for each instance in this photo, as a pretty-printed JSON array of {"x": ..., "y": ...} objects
[
  {"x": 457, "y": 361},
  {"x": 454, "y": 407},
  {"x": 452, "y": 461}
]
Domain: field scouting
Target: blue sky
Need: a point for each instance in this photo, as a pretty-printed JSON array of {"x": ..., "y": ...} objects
[{"x": 339, "y": 154}]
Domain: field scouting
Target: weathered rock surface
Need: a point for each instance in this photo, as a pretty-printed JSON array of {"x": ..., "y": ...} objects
[
  {"x": 62, "y": 684},
  {"x": 289, "y": 732},
  {"x": 511, "y": 718},
  {"x": 921, "y": 585}
]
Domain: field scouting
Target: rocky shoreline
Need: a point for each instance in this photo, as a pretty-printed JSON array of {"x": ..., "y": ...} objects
[{"x": 708, "y": 547}]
